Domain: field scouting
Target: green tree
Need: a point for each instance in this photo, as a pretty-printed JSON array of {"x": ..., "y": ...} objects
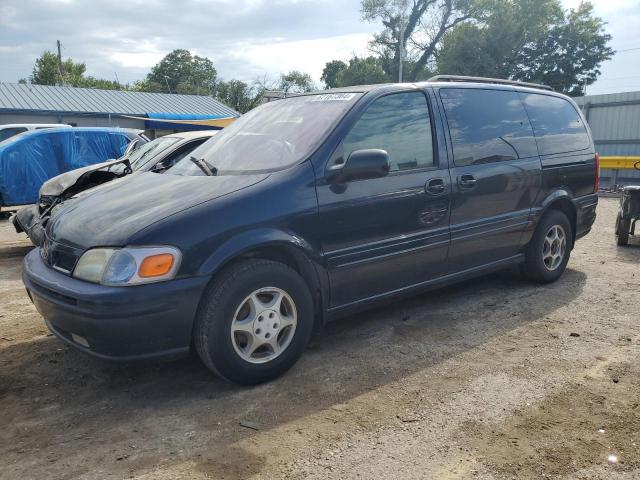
[
  {"x": 181, "y": 72},
  {"x": 363, "y": 71},
  {"x": 569, "y": 57},
  {"x": 421, "y": 24},
  {"x": 530, "y": 40},
  {"x": 92, "y": 82},
  {"x": 48, "y": 71},
  {"x": 359, "y": 71},
  {"x": 490, "y": 48},
  {"x": 296, "y": 82},
  {"x": 147, "y": 86},
  {"x": 331, "y": 72},
  {"x": 239, "y": 95}
]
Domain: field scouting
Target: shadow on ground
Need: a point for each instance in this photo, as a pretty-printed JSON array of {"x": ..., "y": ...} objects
[{"x": 59, "y": 401}]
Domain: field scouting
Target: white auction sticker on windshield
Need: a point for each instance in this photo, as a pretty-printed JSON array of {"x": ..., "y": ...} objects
[{"x": 335, "y": 97}]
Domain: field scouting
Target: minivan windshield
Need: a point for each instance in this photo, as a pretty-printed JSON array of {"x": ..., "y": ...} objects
[{"x": 270, "y": 137}]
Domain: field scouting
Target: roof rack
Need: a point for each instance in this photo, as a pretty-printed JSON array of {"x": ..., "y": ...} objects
[{"x": 500, "y": 81}]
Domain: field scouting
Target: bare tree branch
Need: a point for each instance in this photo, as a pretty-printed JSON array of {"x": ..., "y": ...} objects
[{"x": 424, "y": 26}]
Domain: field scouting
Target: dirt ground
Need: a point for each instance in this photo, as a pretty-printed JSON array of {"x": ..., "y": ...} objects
[{"x": 492, "y": 379}]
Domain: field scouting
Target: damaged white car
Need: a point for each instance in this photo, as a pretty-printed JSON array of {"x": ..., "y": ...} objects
[{"x": 155, "y": 156}]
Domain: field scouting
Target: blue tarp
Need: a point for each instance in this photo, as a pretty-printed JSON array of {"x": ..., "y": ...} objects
[
  {"x": 30, "y": 159},
  {"x": 157, "y": 123}
]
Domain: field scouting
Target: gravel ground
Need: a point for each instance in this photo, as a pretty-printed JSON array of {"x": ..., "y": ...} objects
[{"x": 495, "y": 378}]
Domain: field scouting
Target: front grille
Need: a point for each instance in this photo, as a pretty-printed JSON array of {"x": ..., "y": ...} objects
[
  {"x": 63, "y": 261},
  {"x": 59, "y": 256}
]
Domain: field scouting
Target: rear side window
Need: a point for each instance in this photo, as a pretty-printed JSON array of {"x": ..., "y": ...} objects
[
  {"x": 487, "y": 126},
  {"x": 398, "y": 123},
  {"x": 10, "y": 132},
  {"x": 556, "y": 123}
]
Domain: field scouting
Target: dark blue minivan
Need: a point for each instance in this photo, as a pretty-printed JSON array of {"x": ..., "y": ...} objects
[{"x": 311, "y": 207}]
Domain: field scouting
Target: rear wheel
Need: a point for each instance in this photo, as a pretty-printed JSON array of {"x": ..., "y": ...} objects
[
  {"x": 548, "y": 252},
  {"x": 254, "y": 321},
  {"x": 622, "y": 230}
]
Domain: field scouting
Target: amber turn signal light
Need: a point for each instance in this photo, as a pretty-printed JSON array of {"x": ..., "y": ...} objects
[{"x": 156, "y": 265}]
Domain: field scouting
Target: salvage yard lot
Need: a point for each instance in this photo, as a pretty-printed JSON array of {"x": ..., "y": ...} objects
[{"x": 494, "y": 378}]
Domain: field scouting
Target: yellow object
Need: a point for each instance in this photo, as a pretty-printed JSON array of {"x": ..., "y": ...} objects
[
  {"x": 620, "y": 163},
  {"x": 207, "y": 122}
]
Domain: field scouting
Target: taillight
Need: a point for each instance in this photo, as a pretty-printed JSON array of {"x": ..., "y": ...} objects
[{"x": 596, "y": 184}]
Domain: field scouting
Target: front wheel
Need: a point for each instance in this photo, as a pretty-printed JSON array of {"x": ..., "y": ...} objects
[
  {"x": 548, "y": 252},
  {"x": 254, "y": 321},
  {"x": 622, "y": 230}
]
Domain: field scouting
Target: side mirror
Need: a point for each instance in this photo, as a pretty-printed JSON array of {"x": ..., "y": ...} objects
[{"x": 364, "y": 164}]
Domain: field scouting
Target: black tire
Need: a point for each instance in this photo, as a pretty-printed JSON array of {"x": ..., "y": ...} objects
[
  {"x": 534, "y": 266},
  {"x": 212, "y": 331},
  {"x": 622, "y": 230}
]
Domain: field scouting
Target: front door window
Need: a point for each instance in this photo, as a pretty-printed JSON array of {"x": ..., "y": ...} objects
[{"x": 399, "y": 124}]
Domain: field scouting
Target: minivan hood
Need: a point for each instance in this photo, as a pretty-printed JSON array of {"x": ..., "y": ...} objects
[
  {"x": 110, "y": 214},
  {"x": 56, "y": 186}
]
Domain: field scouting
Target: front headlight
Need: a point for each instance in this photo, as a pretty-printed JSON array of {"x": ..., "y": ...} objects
[{"x": 128, "y": 266}]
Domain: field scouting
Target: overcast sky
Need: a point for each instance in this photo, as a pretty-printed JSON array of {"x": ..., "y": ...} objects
[{"x": 244, "y": 38}]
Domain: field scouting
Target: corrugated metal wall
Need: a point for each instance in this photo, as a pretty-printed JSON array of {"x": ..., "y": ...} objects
[{"x": 615, "y": 122}]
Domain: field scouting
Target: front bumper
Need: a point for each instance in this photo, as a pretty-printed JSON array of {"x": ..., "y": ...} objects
[{"x": 115, "y": 323}]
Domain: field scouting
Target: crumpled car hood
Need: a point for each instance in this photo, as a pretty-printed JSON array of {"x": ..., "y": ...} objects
[
  {"x": 28, "y": 220},
  {"x": 110, "y": 214},
  {"x": 56, "y": 186}
]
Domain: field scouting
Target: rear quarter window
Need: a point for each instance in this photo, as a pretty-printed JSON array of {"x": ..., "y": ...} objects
[
  {"x": 10, "y": 132},
  {"x": 487, "y": 126},
  {"x": 557, "y": 124}
]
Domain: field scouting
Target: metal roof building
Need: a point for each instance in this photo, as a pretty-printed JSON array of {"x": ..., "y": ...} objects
[
  {"x": 89, "y": 107},
  {"x": 615, "y": 122}
]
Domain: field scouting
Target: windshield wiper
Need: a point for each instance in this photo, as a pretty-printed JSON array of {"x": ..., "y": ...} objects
[{"x": 204, "y": 166}]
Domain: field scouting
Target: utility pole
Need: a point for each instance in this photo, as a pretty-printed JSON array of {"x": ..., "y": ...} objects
[
  {"x": 403, "y": 25},
  {"x": 401, "y": 53},
  {"x": 166, "y": 79},
  {"x": 60, "y": 71}
]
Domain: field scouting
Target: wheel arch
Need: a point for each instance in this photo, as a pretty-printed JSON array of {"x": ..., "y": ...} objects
[
  {"x": 279, "y": 246},
  {"x": 562, "y": 201}
]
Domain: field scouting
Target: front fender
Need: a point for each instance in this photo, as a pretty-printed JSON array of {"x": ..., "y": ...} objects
[{"x": 251, "y": 239}]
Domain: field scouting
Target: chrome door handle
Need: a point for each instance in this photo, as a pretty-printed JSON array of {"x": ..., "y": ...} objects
[
  {"x": 435, "y": 186},
  {"x": 466, "y": 181}
]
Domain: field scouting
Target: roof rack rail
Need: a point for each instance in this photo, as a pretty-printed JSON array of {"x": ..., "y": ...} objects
[{"x": 500, "y": 81}]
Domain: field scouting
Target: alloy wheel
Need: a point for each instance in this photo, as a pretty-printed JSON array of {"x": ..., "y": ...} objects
[
  {"x": 264, "y": 325},
  {"x": 554, "y": 247}
]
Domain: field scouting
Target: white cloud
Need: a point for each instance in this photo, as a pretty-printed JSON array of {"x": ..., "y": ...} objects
[
  {"x": 308, "y": 56},
  {"x": 244, "y": 38}
]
